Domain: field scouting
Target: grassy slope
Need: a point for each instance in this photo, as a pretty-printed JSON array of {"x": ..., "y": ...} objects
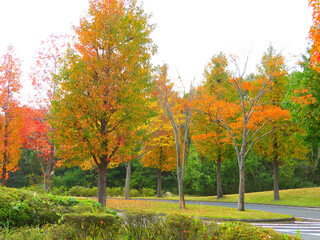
[
  {"x": 308, "y": 197},
  {"x": 192, "y": 210}
]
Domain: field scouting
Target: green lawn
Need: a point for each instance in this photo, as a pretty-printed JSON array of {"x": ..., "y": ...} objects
[
  {"x": 192, "y": 210},
  {"x": 306, "y": 197}
]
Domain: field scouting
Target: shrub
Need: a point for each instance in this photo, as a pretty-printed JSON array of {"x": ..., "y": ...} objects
[
  {"x": 134, "y": 193},
  {"x": 115, "y": 192},
  {"x": 77, "y": 191},
  {"x": 142, "y": 225},
  {"x": 58, "y": 191},
  {"x": 181, "y": 227},
  {"x": 147, "y": 192},
  {"x": 94, "y": 226}
]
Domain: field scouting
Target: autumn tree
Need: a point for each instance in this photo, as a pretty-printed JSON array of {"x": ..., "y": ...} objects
[
  {"x": 10, "y": 115},
  {"x": 104, "y": 86},
  {"x": 211, "y": 140},
  {"x": 159, "y": 147},
  {"x": 245, "y": 115},
  {"x": 179, "y": 111},
  {"x": 45, "y": 67},
  {"x": 279, "y": 146}
]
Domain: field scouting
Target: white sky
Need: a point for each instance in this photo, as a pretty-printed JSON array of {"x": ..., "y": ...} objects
[{"x": 188, "y": 32}]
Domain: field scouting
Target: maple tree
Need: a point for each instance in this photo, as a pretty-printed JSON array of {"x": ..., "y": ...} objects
[
  {"x": 159, "y": 147},
  {"x": 46, "y": 66},
  {"x": 179, "y": 111},
  {"x": 104, "y": 86},
  {"x": 10, "y": 115}
]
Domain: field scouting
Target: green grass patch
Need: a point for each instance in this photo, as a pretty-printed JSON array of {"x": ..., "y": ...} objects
[
  {"x": 302, "y": 197},
  {"x": 192, "y": 210}
]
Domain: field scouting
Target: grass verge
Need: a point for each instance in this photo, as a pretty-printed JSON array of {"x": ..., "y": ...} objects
[
  {"x": 303, "y": 197},
  {"x": 192, "y": 210}
]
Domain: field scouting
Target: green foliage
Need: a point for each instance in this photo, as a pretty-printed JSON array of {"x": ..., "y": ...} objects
[
  {"x": 139, "y": 225},
  {"x": 115, "y": 192},
  {"x": 74, "y": 176},
  {"x": 182, "y": 227},
  {"x": 29, "y": 172},
  {"x": 82, "y": 191},
  {"x": 147, "y": 192},
  {"x": 134, "y": 193},
  {"x": 142, "y": 225},
  {"x": 89, "y": 225}
]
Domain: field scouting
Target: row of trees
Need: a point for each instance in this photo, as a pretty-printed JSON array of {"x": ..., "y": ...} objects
[{"x": 100, "y": 102}]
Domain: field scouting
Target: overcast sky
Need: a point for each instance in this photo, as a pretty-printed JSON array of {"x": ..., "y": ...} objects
[{"x": 188, "y": 32}]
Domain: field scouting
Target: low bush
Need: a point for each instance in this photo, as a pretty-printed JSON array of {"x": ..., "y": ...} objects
[
  {"x": 181, "y": 227},
  {"x": 115, "y": 192},
  {"x": 80, "y": 191},
  {"x": 93, "y": 226},
  {"x": 134, "y": 193},
  {"x": 142, "y": 225},
  {"x": 148, "y": 192}
]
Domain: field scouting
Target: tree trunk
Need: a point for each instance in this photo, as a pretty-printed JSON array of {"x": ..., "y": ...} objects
[
  {"x": 127, "y": 183},
  {"x": 4, "y": 170},
  {"x": 159, "y": 183},
  {"x": 316, "y": 157},
  {"x": 241, "y": 185},
  {"x": 5, "y": 153},
  {"x": 180, "y": 188},
  {"x": 102, "y": 182},
  {"x": 276, "y": 195},
  {"x": 219, "y": 185}
]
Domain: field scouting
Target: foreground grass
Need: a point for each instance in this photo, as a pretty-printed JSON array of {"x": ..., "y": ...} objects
[
  {"x": 192, "y": 210},
  {"x": 303, "y": 197}
]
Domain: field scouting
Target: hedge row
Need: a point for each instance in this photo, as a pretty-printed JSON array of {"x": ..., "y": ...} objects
[
  {"x": 140, "y": 226},
  {"x": 111, "y": 192},
  {"x": 19, "y": 207}
]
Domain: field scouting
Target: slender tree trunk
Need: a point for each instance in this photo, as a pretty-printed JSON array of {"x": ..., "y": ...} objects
[
  {"x": 50, "y": 168},
  {"x": 242, "y": 177},
  {"x": 5, "y": 153},
  {"x": 276, "y": 195},
  {"x": 159, "y": 174},
  {"x": 127, "y": 183},
  {"x": 4, "y": 170},
  {"x": 180, "y": 188},
  {"x": 316, "y": 157},
  {"x": 219, "y": 185},
  {"x": 102, "y": 182}
]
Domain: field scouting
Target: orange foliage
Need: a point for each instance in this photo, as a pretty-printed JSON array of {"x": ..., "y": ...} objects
[
  {"x": 314, "y": 34},
  {"x": 10, "y": 113}
]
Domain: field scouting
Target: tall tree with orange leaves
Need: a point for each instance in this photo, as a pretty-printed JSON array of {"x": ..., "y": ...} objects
[
  {"x": 210, "y": 139},
  {"x": 246, "y": 114},
  {"x": 279, "y": 146},
  {"x": 104, "y": 86},
  {"x": 10, "y": 115}
]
